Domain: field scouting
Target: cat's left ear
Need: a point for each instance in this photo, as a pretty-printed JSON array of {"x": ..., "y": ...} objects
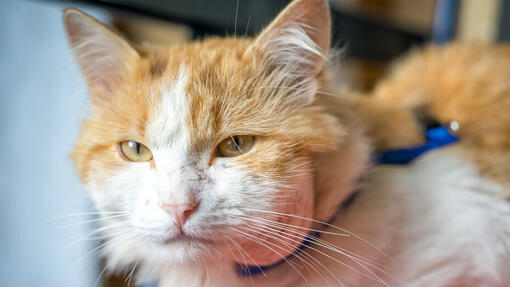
[{"x": 299, "y": 38}]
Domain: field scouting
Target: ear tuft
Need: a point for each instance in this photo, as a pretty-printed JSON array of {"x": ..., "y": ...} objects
[
  {"x": 299, "y": 38},
  {"x": 103, "y": 56}
]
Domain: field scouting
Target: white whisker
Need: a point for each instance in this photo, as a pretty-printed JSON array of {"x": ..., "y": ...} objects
[
  {"x": 329, "y": 225},
  {"x": 357, "y": 261},
  {"x": 258, "y": 241},
  {"x": 318, "y": 240},
  {"x": 130, "y": 275},
  {"x": 297, "y": 255},
  {"x": 248, "y": 255},
  {"x": 91, "y": 221}
]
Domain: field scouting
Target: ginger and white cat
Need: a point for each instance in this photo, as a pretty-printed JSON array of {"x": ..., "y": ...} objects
[{"x": 206, "y": 157}]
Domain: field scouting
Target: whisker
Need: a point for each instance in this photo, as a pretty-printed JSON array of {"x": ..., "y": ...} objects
[
  {"x": 297, "y": 255},
  {"x": 300, "y": 227},
  {"x": 97, "y": 249},
  {"x": 88, "y": 236},
  {"x": 282, "y": 225},
  {"x": 235, "y": 24},
  {"x": 257, "y": 240},
  {"x": 247, "y": 25},
  {"x": 244, "y": 267},
  {"x": 90, "y": 221},
  {"x": 329, "y": 225},
  {"x": 207, "y": 276},
  {"x": 356, "y": 260},
  {"x": 85, "y": 214},
  {"x": 290, "y": 250},
  {"x": 240, "y": 248},
  {"x": 342, "y": 263},
  {"x": 100, "y": 276},
  {"x": 296, "y": 88},
  {"x": 130, "y": 275}
]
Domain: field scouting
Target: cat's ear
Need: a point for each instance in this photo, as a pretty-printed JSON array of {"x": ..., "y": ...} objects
[
  {"x": 299, "y": 37},
  {"x": 103, "y": 56}
]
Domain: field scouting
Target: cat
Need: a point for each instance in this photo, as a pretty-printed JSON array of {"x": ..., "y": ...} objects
[{"x": 230, "y": 162}]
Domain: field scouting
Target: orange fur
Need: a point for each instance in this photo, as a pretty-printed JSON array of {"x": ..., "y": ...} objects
[
  {"x": 231, "y": 84},
  {"x": 250, "y": 90}
]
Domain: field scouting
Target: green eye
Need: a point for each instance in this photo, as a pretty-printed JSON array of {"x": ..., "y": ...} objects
[
  {"x": 135, "y": 151},
  {"x": 235, "y": 146}
]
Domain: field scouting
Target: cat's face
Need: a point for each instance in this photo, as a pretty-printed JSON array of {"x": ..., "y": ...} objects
[{"x": 204, "y": 149}]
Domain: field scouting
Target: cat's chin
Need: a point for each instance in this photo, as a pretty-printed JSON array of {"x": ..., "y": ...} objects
[
  {"x": 182, "y": 241},
  {"x": 184, "y": 250}
]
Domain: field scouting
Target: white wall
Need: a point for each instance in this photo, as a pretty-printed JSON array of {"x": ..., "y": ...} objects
[{"x": 42, "y": 98}]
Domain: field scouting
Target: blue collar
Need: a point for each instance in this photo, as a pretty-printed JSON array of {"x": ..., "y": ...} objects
[{"x": 437, "y": 137}]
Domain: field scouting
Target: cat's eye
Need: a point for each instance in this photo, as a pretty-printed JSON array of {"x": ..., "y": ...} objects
[
  {"x": 235, "y": 146},
  {"x": 135, "y": 151}
]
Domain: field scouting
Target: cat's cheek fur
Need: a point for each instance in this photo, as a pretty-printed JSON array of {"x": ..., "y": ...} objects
[
  {"x": 279, "y": 230},
  {"x": 116, "y": 193}
]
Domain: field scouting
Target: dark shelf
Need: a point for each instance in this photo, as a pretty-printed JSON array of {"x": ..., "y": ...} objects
[{"x": 364, "y": 37}]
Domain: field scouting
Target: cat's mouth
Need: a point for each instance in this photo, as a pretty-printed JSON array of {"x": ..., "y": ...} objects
[{"x": 185, "y": 238}]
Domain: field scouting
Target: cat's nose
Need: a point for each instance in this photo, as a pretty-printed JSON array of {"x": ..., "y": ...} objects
[{"x": 180, "y": 212}]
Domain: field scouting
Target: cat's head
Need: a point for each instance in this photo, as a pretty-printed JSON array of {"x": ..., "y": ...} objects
[{"x": 205, "y": 146}]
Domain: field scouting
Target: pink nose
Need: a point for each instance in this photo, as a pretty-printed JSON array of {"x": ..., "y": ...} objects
[{"x": 180, "y": 212}]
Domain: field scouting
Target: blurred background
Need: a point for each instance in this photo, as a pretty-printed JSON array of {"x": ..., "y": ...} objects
[{"x": 45, "y": 222}]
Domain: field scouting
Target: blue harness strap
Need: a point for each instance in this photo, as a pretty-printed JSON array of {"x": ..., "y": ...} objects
[{"x": 436, "y": 138}]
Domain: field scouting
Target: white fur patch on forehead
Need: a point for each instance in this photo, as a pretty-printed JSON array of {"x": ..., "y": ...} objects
[{"x": 167, "y": 127}]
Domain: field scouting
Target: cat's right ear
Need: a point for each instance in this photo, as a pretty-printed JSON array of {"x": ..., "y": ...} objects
[
  {"x": 103, "y": 56},
  {"x": 298, "y": 38}
]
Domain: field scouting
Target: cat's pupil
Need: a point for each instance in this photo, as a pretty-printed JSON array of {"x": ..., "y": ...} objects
[
  {"x": 135, "y": 145},
  {"x": 237, "y": 142}
]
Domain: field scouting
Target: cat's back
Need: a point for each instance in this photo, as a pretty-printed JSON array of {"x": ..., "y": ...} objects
[{"x": 476, "y": 71}]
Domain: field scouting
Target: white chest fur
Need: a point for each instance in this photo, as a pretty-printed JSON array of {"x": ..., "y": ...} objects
[{"x": 433, "y": 223}]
